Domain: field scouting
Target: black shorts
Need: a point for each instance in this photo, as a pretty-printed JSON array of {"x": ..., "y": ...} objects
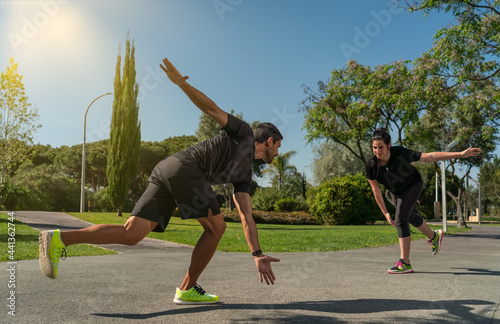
[{"x": 173, "y": 184}]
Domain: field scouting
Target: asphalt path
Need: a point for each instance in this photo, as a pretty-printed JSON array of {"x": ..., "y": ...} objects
[{"x": 459, "y": 285}]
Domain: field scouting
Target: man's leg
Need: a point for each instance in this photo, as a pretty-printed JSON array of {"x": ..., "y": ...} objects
[
  {"x": 131, "y": 233},
  {"x": 204, "y": 250},
  {"x": 52, "y": 244}
]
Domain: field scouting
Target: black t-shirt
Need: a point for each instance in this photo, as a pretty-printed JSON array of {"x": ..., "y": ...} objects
[
  {"x": 398, "y": 174},
  {"x": 227, "y": 157}
]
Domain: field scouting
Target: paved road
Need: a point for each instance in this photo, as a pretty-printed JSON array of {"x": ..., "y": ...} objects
[{"x": 460, "y": 285}]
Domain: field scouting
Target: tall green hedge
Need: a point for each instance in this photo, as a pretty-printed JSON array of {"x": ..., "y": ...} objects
[{"x": 344, "y": 200}]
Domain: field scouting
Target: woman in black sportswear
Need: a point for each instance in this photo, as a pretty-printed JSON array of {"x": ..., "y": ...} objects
[{"x": 391, "y": 166}]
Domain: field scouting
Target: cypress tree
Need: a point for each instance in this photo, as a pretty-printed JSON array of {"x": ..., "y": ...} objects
[{"x": 125, "y": 131}]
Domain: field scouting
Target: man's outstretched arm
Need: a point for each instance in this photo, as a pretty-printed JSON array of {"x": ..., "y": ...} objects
[{"x": 201, "y": 101}]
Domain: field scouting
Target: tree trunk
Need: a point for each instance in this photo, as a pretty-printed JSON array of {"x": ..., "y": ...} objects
[
  {"x": 461, "y": 220},
  {"x": 119, "y": 211}
]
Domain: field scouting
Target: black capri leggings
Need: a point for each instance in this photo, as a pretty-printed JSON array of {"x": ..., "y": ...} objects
[{"x": 405, "y": 211}]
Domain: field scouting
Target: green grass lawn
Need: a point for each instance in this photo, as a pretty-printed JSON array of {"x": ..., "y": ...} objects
[
  {"x": 273, "y": 238},
  {"x": 276, "y": 238},
  {"x": 486, "y": 224},
  {"x": 25, "y": 243}
]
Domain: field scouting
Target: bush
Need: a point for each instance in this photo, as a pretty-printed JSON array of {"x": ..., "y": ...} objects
[
  {"x": 11, "y": 197},
  {"x": 100, "y": 201},
  {"x": 272, "y": 217},
  {"x": 345, "y": 200},
  {"x": 44, "y": 187},
  {"x": 265, "y": 198},
  {"x": 286, "y": 204}
]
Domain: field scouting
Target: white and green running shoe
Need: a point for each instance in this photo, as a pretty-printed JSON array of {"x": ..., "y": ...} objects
[
  {"x": 51, "y": 249},
  {"x": 195, "y": 295},
  {"x": 436, "y": 242},
  {"x": 401, "y": 267}
]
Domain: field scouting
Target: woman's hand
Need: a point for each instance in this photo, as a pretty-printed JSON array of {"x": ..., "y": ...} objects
[{"x": 389, "y": 219}]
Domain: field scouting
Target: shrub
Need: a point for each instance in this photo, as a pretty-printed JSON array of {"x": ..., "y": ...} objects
[
  {"x": 265, "y": 198},
  {"x": 272, "y": 217},
  {"x": 345, "y": 200},
  {"x": 12, "y": 197},
  {"x": 286, "y": 204},
  {"x": 100, "y": 201}
]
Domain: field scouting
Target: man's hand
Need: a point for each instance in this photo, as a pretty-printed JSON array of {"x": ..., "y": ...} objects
[
  {"x": 263, "y": 264},
  {"x": 172, "y": 73}
]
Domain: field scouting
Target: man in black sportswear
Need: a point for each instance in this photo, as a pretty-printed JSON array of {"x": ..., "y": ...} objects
[{"x": 183, "y": 180}]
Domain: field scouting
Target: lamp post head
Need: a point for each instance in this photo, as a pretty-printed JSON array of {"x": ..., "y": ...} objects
[{"x": 449, "y": 147}]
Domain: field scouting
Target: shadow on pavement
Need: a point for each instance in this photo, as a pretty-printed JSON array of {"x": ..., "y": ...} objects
[
  {"x": 481, "y": 236},
  {"x": 458, "y": 308},
  {"x": 470, "y": 271}
]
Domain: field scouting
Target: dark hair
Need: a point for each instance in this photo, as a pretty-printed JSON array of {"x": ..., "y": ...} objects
[
  {"x": 266, "y": 130},
  {"x": 381, "y": 134}
]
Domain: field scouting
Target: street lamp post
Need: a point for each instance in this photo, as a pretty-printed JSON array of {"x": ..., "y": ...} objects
[
  {"x": 82, "y": 189},
  {"x": 443, "y": 185}
]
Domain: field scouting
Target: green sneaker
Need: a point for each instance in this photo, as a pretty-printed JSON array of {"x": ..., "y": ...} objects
[
  {"x": 51, "y": 248},
  {"x": 436, "y": 242},
  {"x": 195, "y": 295},
  {"x": 401, "y": 267}
]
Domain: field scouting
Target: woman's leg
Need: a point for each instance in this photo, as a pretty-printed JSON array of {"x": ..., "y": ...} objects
[{"x": 405, "y": 214}]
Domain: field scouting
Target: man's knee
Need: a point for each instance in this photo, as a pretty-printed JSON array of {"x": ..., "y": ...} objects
[
  {"x": 133, "y": 238},
  {"x": 136, "y": 230},
  {"x": 222, "y": 228},
  {"x": 216, "y": 226}
]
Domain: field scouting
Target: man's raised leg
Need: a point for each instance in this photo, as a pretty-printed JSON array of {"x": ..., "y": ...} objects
[
  {"x": 52, "y": 244},
  {"x": 131, "y": 233}
]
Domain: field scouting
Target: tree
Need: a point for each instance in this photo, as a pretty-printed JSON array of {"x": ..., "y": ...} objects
[
  {"x": 436, "y": 130},
  {"x": 45, "y": 187},
  {"x": 178, "y": 143},
  {"x": 280, "y": 167},
  {"x": 424, "y": 111},
  {"x": 96, "y": 159},
  {"x": 125, "y": 133},
  {"x": 467, "y": 50},
  {"x": 334, "y": 160},
  {"x": 357, "y": 100},
  {"x": 489, "y": 177},
  {"x": 18, "y": 121},
  {"x": 207, "y": 128}
]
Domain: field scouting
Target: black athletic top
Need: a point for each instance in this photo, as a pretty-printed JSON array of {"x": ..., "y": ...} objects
[
  {"x": 398, "y": 174},
  {"x": 227, "y": 157}
]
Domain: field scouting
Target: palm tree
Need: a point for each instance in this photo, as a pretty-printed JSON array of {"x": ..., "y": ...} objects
[{"x": 280, "y": 166}]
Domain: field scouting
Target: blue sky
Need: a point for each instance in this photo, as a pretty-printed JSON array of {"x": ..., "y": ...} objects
[{"x": 250, "y": 56}]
